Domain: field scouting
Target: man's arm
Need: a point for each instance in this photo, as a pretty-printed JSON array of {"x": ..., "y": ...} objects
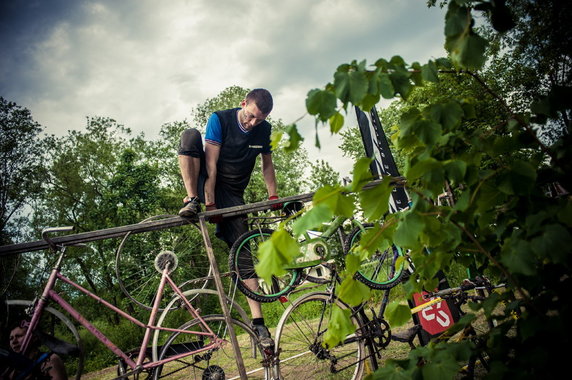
[
  {"x": 269, "y": 174},
  {"x": 212, "y": 153}
]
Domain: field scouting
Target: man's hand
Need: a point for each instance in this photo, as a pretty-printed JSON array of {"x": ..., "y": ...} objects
[
  {"x": 276, "y": 206},
  {"x": 215, "y": 218}
]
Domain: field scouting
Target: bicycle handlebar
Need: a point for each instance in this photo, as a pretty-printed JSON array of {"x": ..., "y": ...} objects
[{"x": 50, "y": 230}]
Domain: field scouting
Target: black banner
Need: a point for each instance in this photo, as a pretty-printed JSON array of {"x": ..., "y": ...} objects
[{"x": 377, "y": 147}]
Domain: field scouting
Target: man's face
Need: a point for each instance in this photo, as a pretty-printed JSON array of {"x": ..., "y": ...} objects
[
  {"x": 250, "y": 115},
  {"x": 17, "y": 338}
]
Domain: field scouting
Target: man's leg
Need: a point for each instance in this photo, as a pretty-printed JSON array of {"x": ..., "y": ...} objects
[
  {"x": 190, "y": 167},
  {"x": 190, "y": 156},
  {"x": 255, "y": 307},
  {"x": 230, "y": 230}
]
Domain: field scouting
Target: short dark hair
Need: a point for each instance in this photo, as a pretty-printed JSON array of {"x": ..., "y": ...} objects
[{"x": 262, "y": 98}]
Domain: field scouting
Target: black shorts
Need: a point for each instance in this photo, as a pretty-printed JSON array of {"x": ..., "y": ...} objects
[{"x": 225, "y": 196}]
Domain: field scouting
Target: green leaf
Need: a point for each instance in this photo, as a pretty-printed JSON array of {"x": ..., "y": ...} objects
[
  {"x": 429, "y": 72},
  {"x": 445, "y": 368},
  {"x": 333, "y": 197},
  {"x": 321, "y": 103},
  {"x": 518, "y": 257},
  {"x": 416, "y": 75},
  {"x": 423, "y": 168},
  {"x": 275, "y": 139},
  {"x": 427, "y": 131},
  {"x": 368, "y": 102},
  {"x": 456, "y": 170},
  {"x": 408, "y": 231},
  {"x": 313, "y": 218},
  {"x": 462, "y": 202},
  {"x": 294, "y": 140},
  {"x": 401, "y": 83},
  {"x": 375, "y": 239},
  {"x": 448, "y": 114},
  {"x": 276, "y": 253},
  {"x": 358, "y": 86},
  {"x": 336, "y": 122},
  {"x": 352, "y": 291},
  {"x": 375, "y": 201},
  {"x": 472, "y": 52},
  {"x": 519, "y": 178},
  {"x": 386, "y": 86},
  {"x": 339, "y": 328},
  {"x": 554, "y": 243},
  {"x": 353, "y": 263},
  {"x": 457, "y": 20},
  {"x": 466, "y": 48},
  {"x": 397, "y": 314},
  {"x": 361, "y": 174},
  {"x": 342, "y": 86},
  {"x": 397, "y": 61}
]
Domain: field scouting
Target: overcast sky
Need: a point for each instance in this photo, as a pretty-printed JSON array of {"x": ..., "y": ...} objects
[{"x": 149, "y": 62}]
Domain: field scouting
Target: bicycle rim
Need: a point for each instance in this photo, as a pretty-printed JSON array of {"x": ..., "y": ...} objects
[
  {"x": 242, "y": 261},
  {"x": 380, "y": 271},
  {"x": 299, "y": 338},
  {"x": 134, "y": 263}
]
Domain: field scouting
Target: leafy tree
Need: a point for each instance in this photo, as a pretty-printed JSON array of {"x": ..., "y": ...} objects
[
  {"x": 488, "y": 151},
  {"x": 21, "y": 170},
  {"x": 322, "y": 174},
  {"x": 21, "y": 177},
  {"x": 98, "y": 179}
]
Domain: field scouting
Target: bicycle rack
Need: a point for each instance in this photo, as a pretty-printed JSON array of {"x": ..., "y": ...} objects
[{"x": 174, "y": 221}]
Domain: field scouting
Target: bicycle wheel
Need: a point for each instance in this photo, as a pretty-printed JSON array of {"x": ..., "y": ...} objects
[
  {"x": 136, "y": 268},
  {"x": 206, "y": 301},
  {"x": 58, "y": 334},
  {"x": 380, "y": 270},
  {"x": 214, "y": 363},
  {"x": 299, "y": 337},
  {"x": 242, "y": 259}
]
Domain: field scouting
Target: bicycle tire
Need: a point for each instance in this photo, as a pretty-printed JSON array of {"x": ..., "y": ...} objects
[
  {"x": 379, "y": 271},
  {"x": 242, "y": 259},
  {"x": 56, "y": 324},
  {"x": 137, "y": 276},
  {"x": 319, "y": 274},
  {"x": 214, "y": 363},
  {"x": 299, "y": 337}
]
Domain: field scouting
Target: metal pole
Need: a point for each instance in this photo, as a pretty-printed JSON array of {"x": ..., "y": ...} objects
[{"x": 222, "y": 297}]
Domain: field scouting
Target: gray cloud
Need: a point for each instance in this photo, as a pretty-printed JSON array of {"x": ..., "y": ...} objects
[{"x": 146, "y": 62}]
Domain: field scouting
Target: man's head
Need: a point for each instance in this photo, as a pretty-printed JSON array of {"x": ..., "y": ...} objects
[{"x": 255, "y": 107}]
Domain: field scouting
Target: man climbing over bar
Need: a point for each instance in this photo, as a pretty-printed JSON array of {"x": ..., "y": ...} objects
[{"x": 218, "y": 176}]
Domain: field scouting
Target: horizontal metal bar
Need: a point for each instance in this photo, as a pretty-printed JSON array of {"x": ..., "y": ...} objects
[{"x": 173, "y": 221}]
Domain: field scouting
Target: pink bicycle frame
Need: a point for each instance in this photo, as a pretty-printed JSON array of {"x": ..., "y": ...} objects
[{"x": 49, "y": 293}]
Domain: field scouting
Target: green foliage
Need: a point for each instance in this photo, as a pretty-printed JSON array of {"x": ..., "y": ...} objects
[
  {"x": 21, "y": 169},
  {"x": 322, "y": 174},
  {"x": 507, "y": 185}
]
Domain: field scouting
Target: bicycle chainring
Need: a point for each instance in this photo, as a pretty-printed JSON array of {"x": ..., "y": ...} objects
[{"x": 381, "y": 333}]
